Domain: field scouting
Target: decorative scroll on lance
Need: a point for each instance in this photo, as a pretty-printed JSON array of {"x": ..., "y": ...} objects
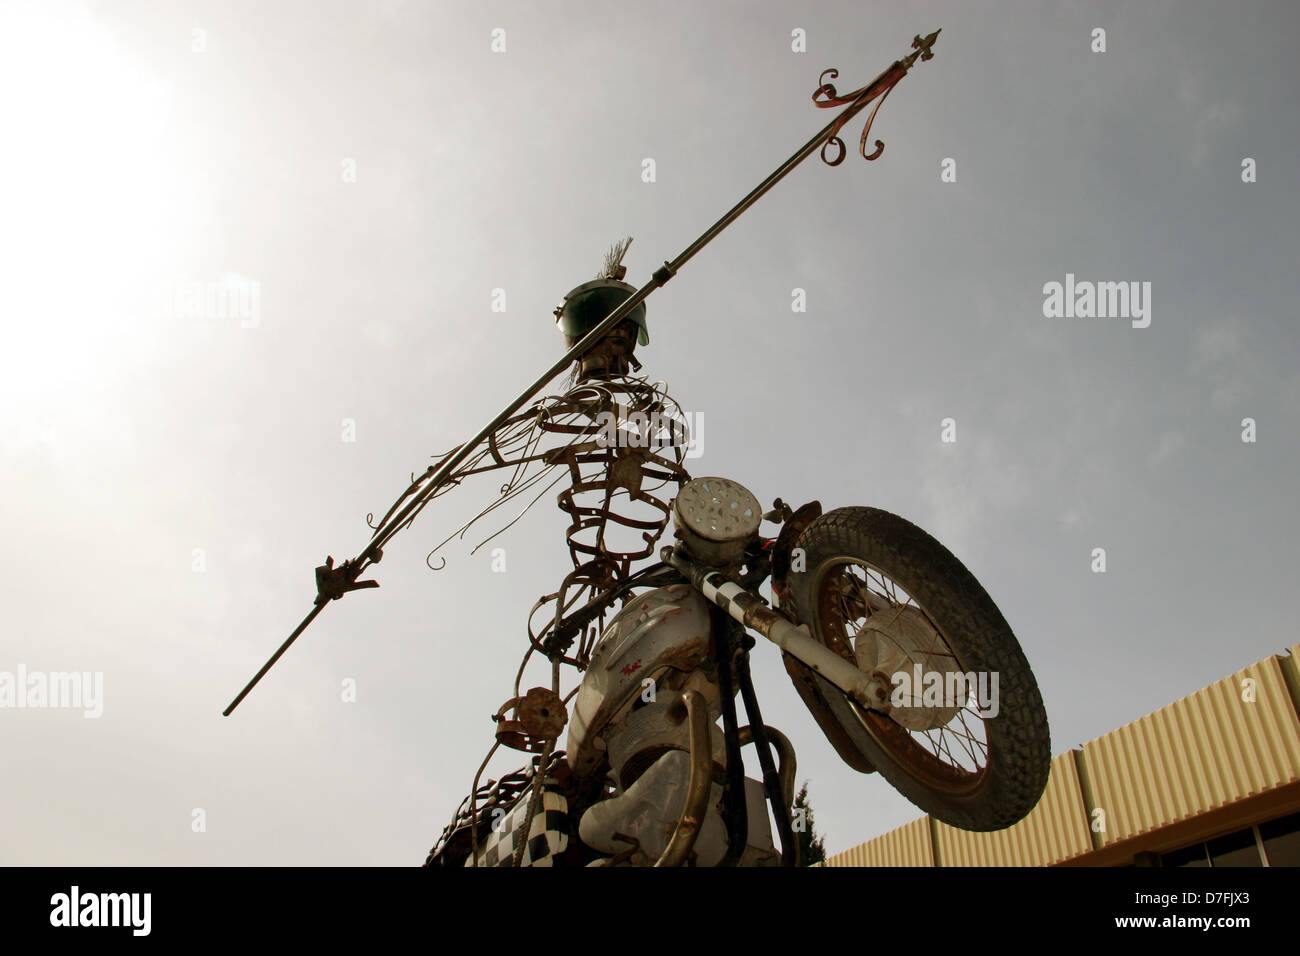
[{"x": 827, "y": 97}]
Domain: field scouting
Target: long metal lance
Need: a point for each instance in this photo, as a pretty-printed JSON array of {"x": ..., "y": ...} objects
[{"x": 854, "y": 103}]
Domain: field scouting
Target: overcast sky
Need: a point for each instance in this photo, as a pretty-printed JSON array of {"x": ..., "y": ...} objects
[{"x": 373, "y": 171}]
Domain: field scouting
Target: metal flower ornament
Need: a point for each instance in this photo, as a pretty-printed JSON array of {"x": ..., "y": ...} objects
[{"x": 646, "y": 775}]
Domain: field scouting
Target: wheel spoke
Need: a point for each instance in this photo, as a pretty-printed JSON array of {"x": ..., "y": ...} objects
[
  {"x": 961, "y": 715},
  {"x": 846, "y": 616},
  {"x": 951, "y": 759},
  {"x": 934, "y": 744},
  {"x": 963, "y": 740},
  {"x": 846, "y": 596}
]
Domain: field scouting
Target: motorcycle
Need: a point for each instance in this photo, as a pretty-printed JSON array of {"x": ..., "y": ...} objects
[{"x": 903, "y": 659}]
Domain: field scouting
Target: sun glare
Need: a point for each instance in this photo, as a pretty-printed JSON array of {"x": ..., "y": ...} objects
[{"x": 87, "y": 217}]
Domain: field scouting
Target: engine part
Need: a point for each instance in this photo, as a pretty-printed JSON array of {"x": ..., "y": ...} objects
[
  {"x": 649, "y": 732},
  {"x": 647, "y": 815}
]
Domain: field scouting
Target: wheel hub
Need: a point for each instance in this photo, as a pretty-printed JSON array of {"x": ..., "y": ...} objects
[{"x": 898, "y": 640}]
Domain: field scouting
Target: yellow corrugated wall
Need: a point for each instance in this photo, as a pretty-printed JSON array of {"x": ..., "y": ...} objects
[
  {"x": 909, "y": 845},
  {"x": 1210, "y": 749},
  {"x": 1207, "y": 750},
  {"x": 1055, "y": 830}
]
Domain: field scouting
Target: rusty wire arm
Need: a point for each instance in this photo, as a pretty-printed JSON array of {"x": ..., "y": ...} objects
[{"x": 344, "y": 578}]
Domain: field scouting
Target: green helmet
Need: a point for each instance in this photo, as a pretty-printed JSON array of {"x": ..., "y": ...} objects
[{"x": 589, "y": 304}]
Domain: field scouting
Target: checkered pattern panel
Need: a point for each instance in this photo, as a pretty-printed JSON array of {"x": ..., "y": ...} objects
[{"x": 548, "y": 837}]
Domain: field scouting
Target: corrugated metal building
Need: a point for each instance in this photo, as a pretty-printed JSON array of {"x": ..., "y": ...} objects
[{"x": 1210, "y": 780}]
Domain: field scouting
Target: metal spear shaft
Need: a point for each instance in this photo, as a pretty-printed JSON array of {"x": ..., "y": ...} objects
[{"x": 373, "y": 551}]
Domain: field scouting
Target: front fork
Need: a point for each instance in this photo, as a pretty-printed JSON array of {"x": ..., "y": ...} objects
[
  {"x": 733, "y": 646},
  {"x": 734, "y": 609},
  {"x": 870, "y": 690}
]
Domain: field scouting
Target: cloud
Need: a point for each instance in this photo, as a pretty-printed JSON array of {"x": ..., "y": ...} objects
[
  {"x": 1170, "y": 444},
  {"x": 1214, "y": 116},
  {"x": 1223, "y": 360},
  {"x": 967, "y": 484}
]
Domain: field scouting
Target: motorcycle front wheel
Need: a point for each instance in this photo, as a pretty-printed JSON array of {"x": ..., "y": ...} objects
[{"x": 965, "y": 737}]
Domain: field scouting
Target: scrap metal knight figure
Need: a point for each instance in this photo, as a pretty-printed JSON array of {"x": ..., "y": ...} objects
[
  {"x": 621, "y": 441},
  {"x": 858, "y": 597}
]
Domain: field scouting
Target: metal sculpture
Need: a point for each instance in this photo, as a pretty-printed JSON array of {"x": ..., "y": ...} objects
[{"x": 620, "y": 440}]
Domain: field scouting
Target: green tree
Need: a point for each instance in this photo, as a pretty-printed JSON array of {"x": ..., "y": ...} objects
[{"x": 811, "y": 846}]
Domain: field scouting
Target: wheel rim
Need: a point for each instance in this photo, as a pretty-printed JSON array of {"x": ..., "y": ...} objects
[{"x": 852, "y": 596}]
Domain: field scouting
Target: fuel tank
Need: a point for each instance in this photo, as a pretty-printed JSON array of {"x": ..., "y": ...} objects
[{"x": 660, "y": 636}]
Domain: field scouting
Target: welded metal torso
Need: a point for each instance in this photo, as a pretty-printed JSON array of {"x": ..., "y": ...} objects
[
  {"x": 621, "y": 443},
  {"x": 624, "y": 445}
]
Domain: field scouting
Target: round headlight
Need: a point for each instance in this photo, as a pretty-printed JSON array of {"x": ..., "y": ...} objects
[{"x": 717, "y": 510}]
